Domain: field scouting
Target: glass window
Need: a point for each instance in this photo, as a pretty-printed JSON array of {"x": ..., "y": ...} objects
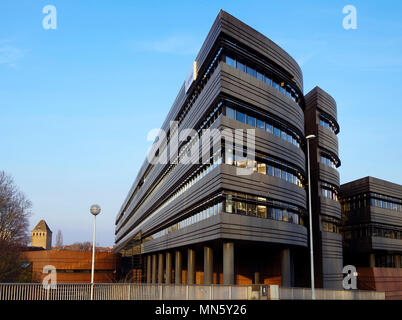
[
  {"x": 261, "y": 168},
  {"x": 261, "y": 211},
  {"x": 268, "y": 80},
  {"x": 289, "y": 138},
  {"x": 229, "y": 156},
  {"x": 260, "y": 76},
  {"x": 230, "y": 113},
  {"x": 240, "y": 207},
  {"x": 251, "y": 121},
  {"x": 277, "y": 132},
  {"x": 277, "y": 172},
  {"x": 282, "y": 89},
  {"x": 230, "y": 61},
  {"x": 252, "y": 164},
  {"x": 269, "y": 128},
  {"x": 240, "y": 116},
  {"x": 251, "y": 209},
  {"x": 229, "y": 204},
  {"x": 278, "y": 214},
  {"x": 275, "y": 84},
  {"x": 251, "y": 71},
  {"x": 283, "y": 135},
  {"x": 269, "y": 213},
  {"x": 261, "y": 124},
  {"x": 284, "y": 174},
  {"x": 285, "y": 216},
  {"x": 240, "y": 66},
  {"x": 270, "y": 170},
  {"x": 240, "y": 161}
]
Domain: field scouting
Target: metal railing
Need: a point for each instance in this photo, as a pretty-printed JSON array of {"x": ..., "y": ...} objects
[
  {"x": 128, "y": 291},
  {"x": 325, "y": 294},
  {"x": 112, "y": 291}
]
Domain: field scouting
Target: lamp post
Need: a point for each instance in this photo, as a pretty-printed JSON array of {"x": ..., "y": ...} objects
[
  {"x": 309, "y": 137},
  {"x": 95, "y": 210}
]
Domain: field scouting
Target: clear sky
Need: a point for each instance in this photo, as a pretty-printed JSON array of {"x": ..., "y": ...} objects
[{"x": 77, "y": 102}]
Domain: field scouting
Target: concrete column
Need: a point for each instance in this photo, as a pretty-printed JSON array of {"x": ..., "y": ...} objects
[
  {"x": 149, "y": 270},
  {"x": 168, "y": 267},
  {"x": 398, "y": 261},
  {"x": 228, "y": 263},
  {"x": 154, "y": 263},
  {"x": 257, "y": 277},
  {"x": 160, "y": 268},
  {"x": 208, "y": 265},
  {"x": 190, "y": 266},
  {"x": 177, "y": 267},
  {"x": 286, "y": 268},
  {"x": 372, "y": 260}
]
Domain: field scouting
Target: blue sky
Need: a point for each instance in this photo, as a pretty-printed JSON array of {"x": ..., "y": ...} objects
[{"x": 76, "y": 103}]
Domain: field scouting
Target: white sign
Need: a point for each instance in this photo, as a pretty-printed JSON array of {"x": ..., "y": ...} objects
[{"x": 191, "y": 76}]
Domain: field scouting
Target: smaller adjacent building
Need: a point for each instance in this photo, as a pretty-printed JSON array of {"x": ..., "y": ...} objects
[
  {"x": 41, "y": 236},
  {"x": 372, "y": 232},
  {"x": 74, "y": 266}
]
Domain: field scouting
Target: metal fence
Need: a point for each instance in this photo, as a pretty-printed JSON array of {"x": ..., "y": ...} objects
[
  {"x": 105, "y": 291},
  {"x": 117, "y": 291},
  {"x": 324, "y": 294}
]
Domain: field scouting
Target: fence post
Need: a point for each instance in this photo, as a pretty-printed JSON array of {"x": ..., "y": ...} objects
[
  {"x": 186, "y": 292},
  {"x": 274, "y": 292},
  {"x": 160, "y": 292},
  {"x": 48, "y": 292},
  {"x": 211, "y": 292}
]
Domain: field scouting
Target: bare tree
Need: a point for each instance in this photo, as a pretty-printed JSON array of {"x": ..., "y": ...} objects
[
  {"x": 81, "y": 246},
  {"x": 14, "y": 212},
  {"x": 59, "y": 239},
  {"x": 14, "y": 235}
]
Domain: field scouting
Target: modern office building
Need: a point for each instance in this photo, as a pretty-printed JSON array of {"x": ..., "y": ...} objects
[
  {"x": 321, "y": 121},
  {"x": 205, "y": 222},
  {"x": 372, "y": 229}
]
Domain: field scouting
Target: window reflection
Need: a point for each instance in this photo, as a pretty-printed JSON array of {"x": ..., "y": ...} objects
[
  {"x": 266, "y": 77},
  {"x": 285, "y": 134}
]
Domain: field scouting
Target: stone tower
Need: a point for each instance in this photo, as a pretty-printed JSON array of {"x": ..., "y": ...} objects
[{"x": 41, "y": 236}]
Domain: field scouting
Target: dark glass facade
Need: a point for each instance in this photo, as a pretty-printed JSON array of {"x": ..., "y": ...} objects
[
  {"x": 205, "y": 223},
  {"x": 372, "y": 223}
]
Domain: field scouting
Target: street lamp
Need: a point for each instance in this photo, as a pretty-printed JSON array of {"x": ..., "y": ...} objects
[
  {"x": 95, "y": 210},
  {"x": 309, "y": 137}
]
